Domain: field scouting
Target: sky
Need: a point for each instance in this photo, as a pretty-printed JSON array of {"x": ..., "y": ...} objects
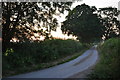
[{"x": 98, "y": 3}]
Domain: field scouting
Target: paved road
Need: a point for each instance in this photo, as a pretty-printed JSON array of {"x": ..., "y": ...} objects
[{"x": 83, "y": 62}]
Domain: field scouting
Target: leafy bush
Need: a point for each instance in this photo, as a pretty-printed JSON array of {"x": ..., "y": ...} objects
[
  {"x": 109, "y": 64},
  {"x": 30, "y": 54}
]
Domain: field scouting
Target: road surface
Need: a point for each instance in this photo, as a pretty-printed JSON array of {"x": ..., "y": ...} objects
[{"x": 82, "y": 63}]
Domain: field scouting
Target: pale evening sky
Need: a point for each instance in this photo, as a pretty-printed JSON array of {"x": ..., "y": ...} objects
[{"x": 99, "y": 3}]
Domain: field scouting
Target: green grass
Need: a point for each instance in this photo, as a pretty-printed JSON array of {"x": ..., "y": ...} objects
[
  {"x": 27, "y": 57},
  {"x": 109, "y": 64}
]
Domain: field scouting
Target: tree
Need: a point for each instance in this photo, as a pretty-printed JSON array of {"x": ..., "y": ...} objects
[
  {"x": 20, "y": 18},
  {"x": 83, "y": 22},
  {"x": 108, "y": 17}
]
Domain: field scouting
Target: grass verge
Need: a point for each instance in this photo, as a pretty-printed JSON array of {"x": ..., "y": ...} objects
[{"x": 108, "y": 66}]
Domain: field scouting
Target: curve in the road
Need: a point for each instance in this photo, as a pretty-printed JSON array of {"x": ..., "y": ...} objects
[{"x": 65, "y": 70}]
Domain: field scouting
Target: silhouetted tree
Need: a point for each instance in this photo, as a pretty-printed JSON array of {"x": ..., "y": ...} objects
[
  {"x": 84, "y": 22},
  {"x": 109, "y": 19},
  {"x": 20, "y": 18}
]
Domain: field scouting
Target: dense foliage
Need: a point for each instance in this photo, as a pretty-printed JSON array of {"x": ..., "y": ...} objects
[
  {"x": 21, "y": 20},
  {"x": 109, "y": 64},
  {"x": 84, "y": 22},
  {"x": 30, "y": 54},
  {"x": 109, "y": 19},
  {"x": 90, "y": 24}
]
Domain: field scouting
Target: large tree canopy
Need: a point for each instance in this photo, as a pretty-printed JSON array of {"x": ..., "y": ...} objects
[
  {"x": 84, "y": 22},
  {"x": 19, "y": 19}
]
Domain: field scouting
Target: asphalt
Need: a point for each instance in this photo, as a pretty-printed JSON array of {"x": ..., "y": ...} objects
[{"x": 82, "y": 63}]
